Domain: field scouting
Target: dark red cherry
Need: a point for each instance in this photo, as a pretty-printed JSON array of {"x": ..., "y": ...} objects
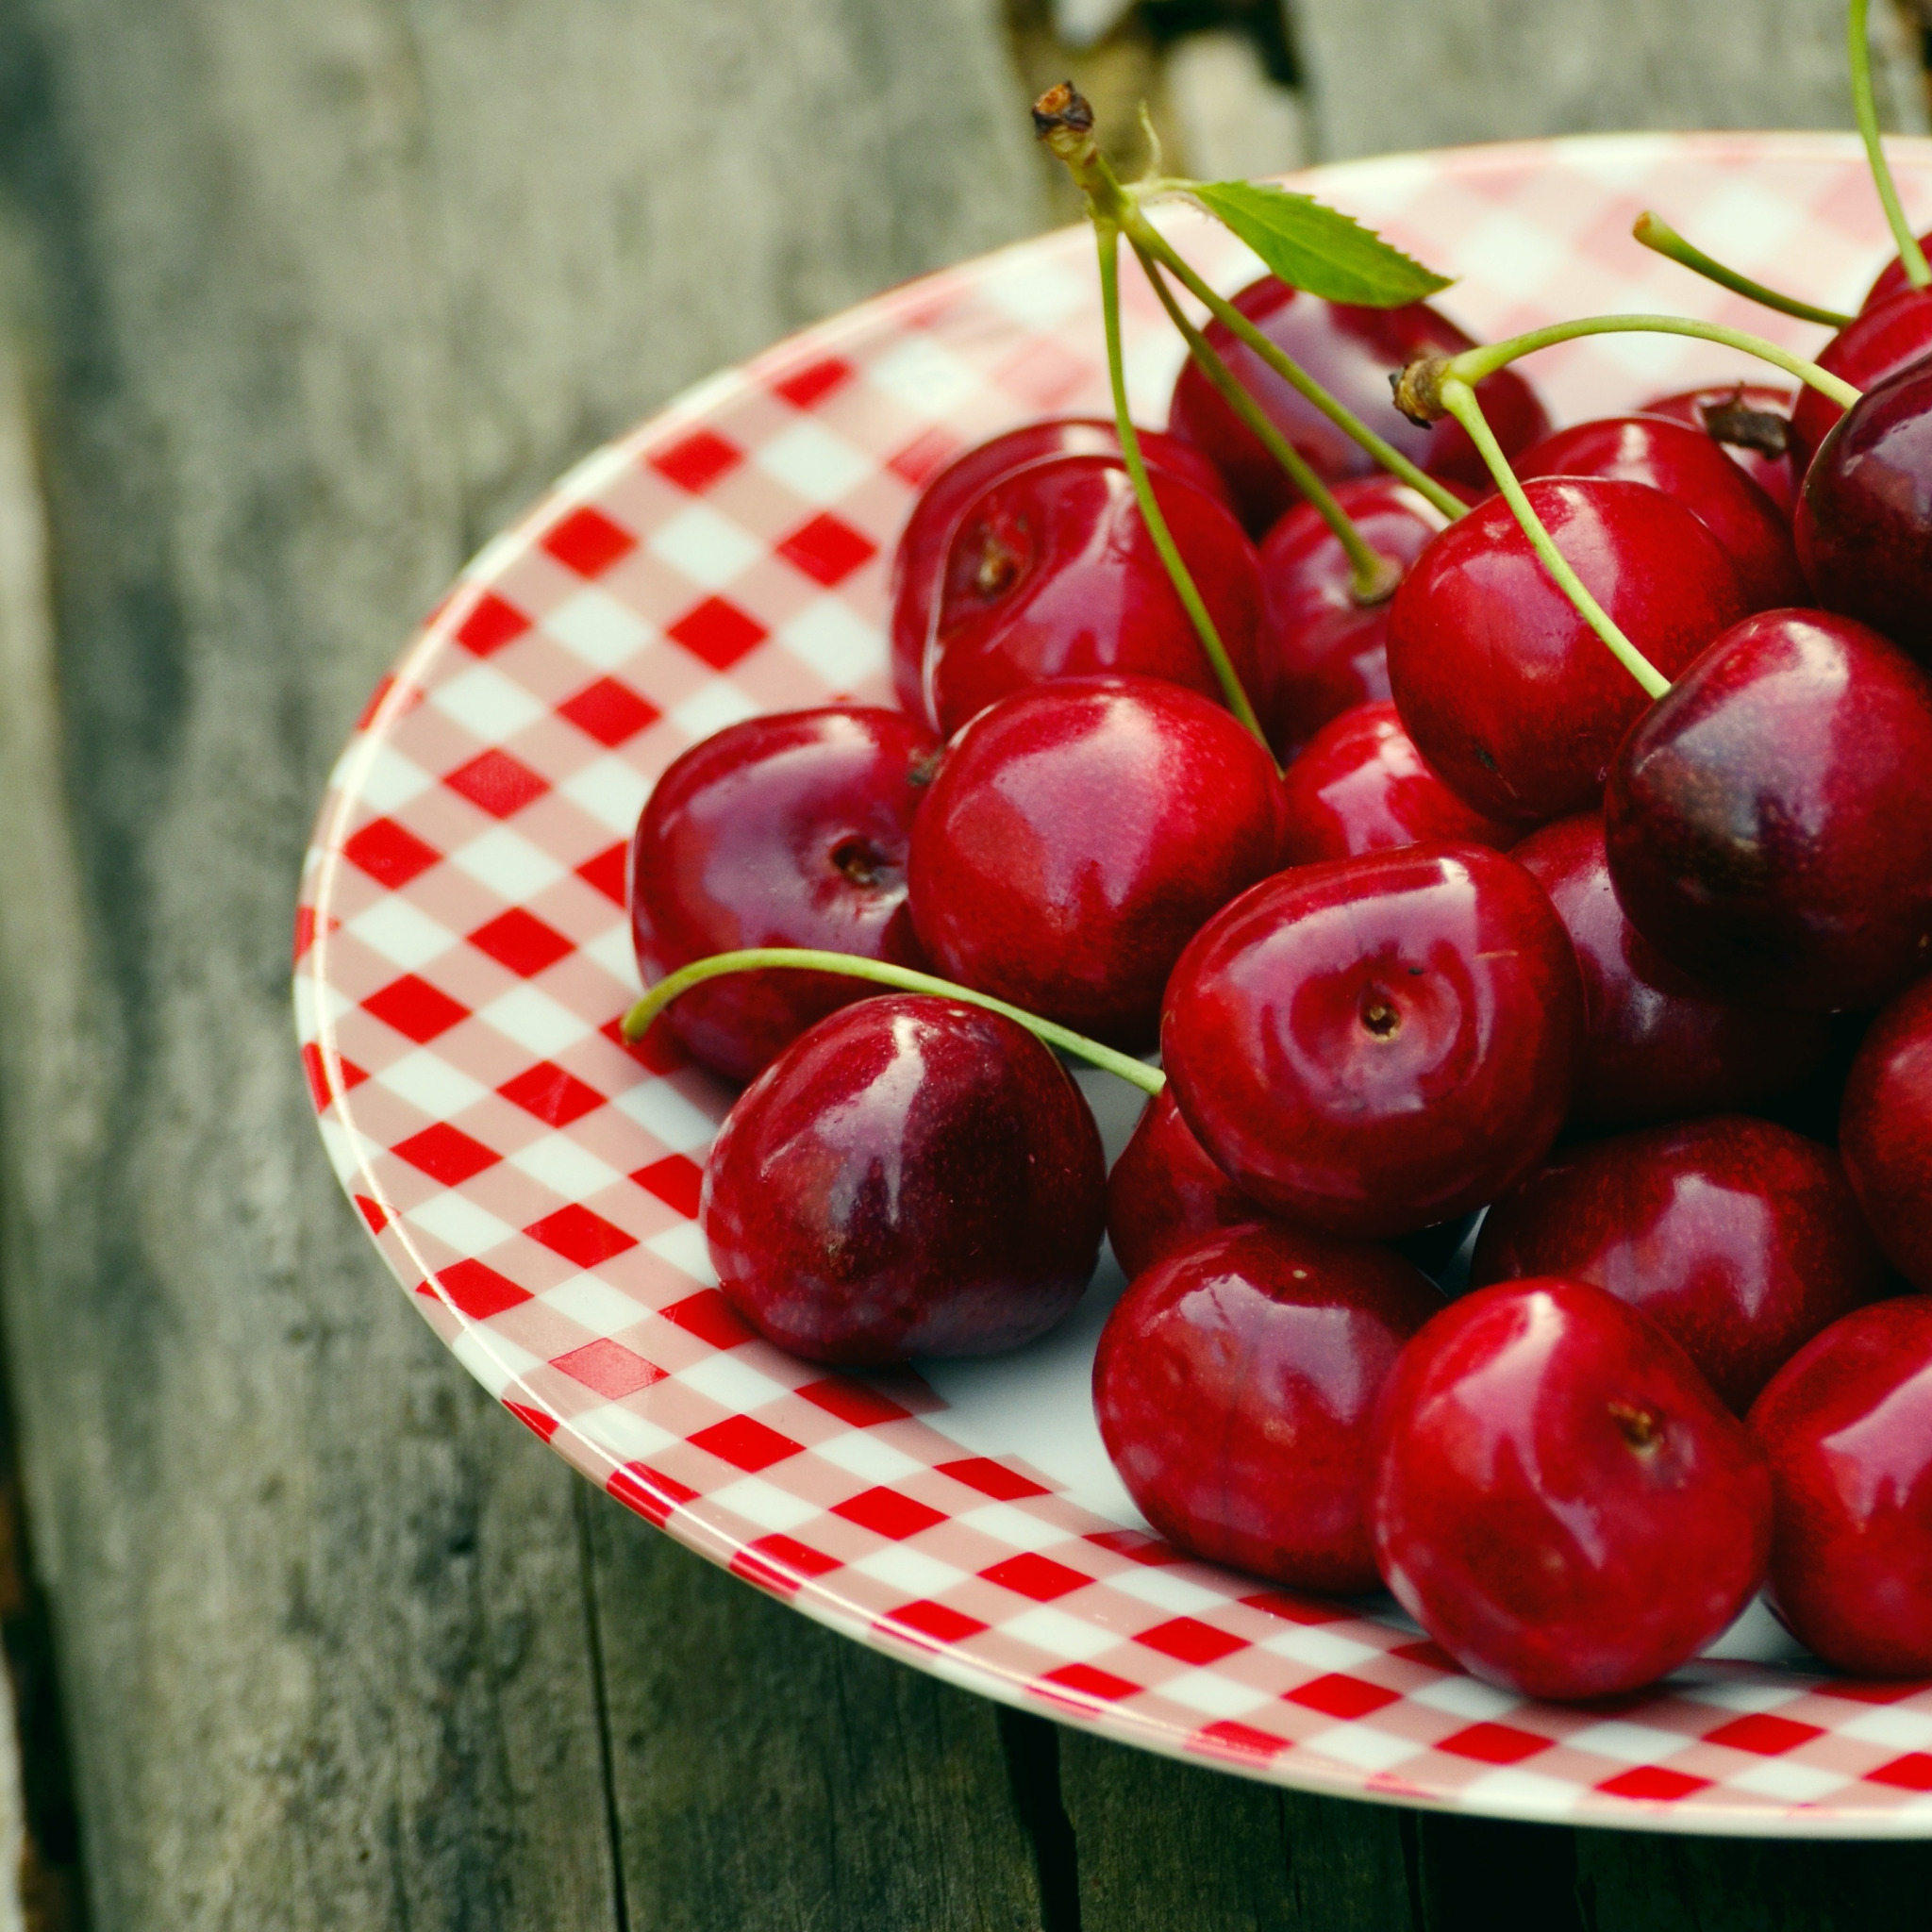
[
  {"x": 1883, "y": 342},
  {"x": 1892, "y": 280},
  {"x": 1351, "y": 352},
  {"x": 1165, "y": 1194},
  {"x": 1330, "y": 650},
  {"x": 1051, "y": 573},
  {"x": 1738, "y": 1238},
  {"x": 1360, "y": 786},
  {"x": 1506, "y": 691},
  {"x": 1750, "y": 422},
  {"x": 918, "y": 562},
  {"x": 913, "y": 1176},
  {"x": 1558, "y": 1499},
  {"x": 1077, "y": 837},
  {"x": 1376, "y": 1044},
  {"x": 1658, "y": 1044},
  {"x": 1885, "y": 1131},
  {"x": 1233, "y": 1386},
  {"x": 1847, "y": 1427},
  {"x": 1769, "y": 821},
  {"x": 1864, "y": 521},
  {"x": 789, "y": 830},
  {"x": 1686, "y": 464}
]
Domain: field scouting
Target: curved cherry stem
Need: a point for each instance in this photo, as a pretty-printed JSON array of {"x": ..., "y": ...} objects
[
  {"x": 1656, "y": 234},
  {"x": 637, "y": 1022},
  {"x": 1376, "y": 575},
  {"x": 1858, "y": 56},
  {"x": 1458, "y": 399}
]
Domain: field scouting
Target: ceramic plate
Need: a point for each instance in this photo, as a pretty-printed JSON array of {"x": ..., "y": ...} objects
[{"x": 463, "y": 959}]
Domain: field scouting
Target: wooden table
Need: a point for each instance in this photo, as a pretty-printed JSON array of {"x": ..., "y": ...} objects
[{"x": 302, "y": 299}]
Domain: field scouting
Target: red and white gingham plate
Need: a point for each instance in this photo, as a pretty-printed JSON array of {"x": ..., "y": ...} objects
[{"x": 463, "y": 958}]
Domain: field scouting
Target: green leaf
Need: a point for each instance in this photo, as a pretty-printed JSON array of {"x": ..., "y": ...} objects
[{"x": 1316, "y": 248}]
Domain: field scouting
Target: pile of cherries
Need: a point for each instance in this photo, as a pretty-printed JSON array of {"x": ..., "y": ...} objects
[{"x": 1478, "y": 926}]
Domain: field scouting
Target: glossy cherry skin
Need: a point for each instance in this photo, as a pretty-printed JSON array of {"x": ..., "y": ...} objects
[
  {"x": 1657, "y": 1043},
  {"x": 1361, "y": 785},
  {"x": 920, "y": 559},
  {"x": 1686, "y": 464},
  {"x": 1885, "y": 1131},
  {"x": 788, "y": 830},
  {"x": 1051, "y": 573},
  {"x": 1847, "y": 1427},
  {"x": 1738, "y": 1238},
  {"x": 1890, "y": 280},
  {"x": 1506, "y": 691},
  {"x": 1165, "y": 1194},
  {"x": 1078, "y": 835},
  {"x": 1330, "y": 652},
  {"x": 1864, "y": 521},
  {"x": 1883, "y": 342},
  {"x": 913, "y": 1176},
  {"x": 1769, "y": 821},
  {"x": 1234, "y": 1387},
  {"x": 1560, "y": 1500},
  {"x": 1703, "y": 408},
  {"x": 1372, "y": 1045},
  {"x": 1352, "y": 353}
]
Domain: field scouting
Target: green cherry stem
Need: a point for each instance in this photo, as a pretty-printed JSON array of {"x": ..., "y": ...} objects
[
  {"x": 1858, "y": 56},
  {"x": 1458, "y": 399},
  {"x": 637, "y": 1022},
  {"x": 1657, "y": 235},
  {"x": 1376, "y": 575}
]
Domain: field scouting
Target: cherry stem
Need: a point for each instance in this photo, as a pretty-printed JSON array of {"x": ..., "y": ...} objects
[
  {"x": 1458, "y": 399},
  {"x": 637, "y": 1022},
  {"x": 1858, "y": 53},
  {"x": 1376, "y": 575},
  {"x": 1657, "y": 235}
]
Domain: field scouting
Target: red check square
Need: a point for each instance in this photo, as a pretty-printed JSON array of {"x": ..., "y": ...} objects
[
  {"x": 886, "y": 1513},
  {"x": 1031, "y": 1575},
  {"x": 744, "y": 1444},
  {"x": 478, "y": 1291},
  {"x": 580, "y": 1236},
  {"x": 494, "y": 782},
  {"x": 588, "y": 541},
  {"x": 1494, "y": 1744},
  {"x": 652, "y": 1493},
  {"x": 389, "y": 854},
  {"x": 555, "y": 1097},
  {"x": 416, "y": 1009},
  {"x": 1342, "y": 1697},
  {"x": 853, "y": 1402},
  {"x": 446, "y": 1154},
  {"x": 609, "y": 1368},
  {"x": 1190, "y": 1642},
  {"x": 1768, "y": 1736}
]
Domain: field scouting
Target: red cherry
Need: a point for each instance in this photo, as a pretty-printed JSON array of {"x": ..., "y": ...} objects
[
  {"x": 1892, "y": 280},
  {"x": 1360, "y": 786},
  {"x": 1738, "y": 1238},
  {"x": 1658, "y": 1044},
  {"x": 1769, "y": 821},
  {"x": 1847, "y": 1427},
  {"x": 1351, "y": 352},
  {"x": 789, "y": 830},
  {"x": 1165, "y": 1194},
  {"x": 1051, "y": 573},
  {"x": 1506, "y": 691},
  {"x": 1715, "y": 411},
  {"x": 1686, "y": 464},
  {"x": 1377, "y": 1044},
  {"x": 1885, "y": 1131},
  {"x": 1078, "y": 835},
  {"x": 918, "y": 562},
  {"x": 1331, "y": 652},
  {"x": 1233, "y": 1386},
  {"x": 1883, "y": 342},
  {"x": 1560, "y": 1500},
  {"x": 913, "y": 1176}
]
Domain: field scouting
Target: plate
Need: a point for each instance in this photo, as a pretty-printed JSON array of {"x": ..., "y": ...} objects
[{"x": 463, "y": 957}]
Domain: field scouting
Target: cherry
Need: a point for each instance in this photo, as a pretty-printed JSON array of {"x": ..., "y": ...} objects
[
  {"x": 1165, "y": 1194},
  {"x": 789, "y": 830},
  {"x": 1750, "y": 422},
  {"x": 1885, "y": 1131},
  {"x": 1376, "y": 1044},
  {"x": 1558, "y": 1499},
  {"x": 1360, "y": 786},
  {"x": 1233, "y": 1386},
  {"x": 1882, "y": 342},
  {"x": 1658, "y": 1044},
  {"x": 1738, "y": 1238},
  {"x": 1769, "y": 821},
  {"x": 1847, "y": 1427},
  {"x": 1864, "y": 520},
  {"x": 1330, "y": 649},
  {"x": 1504, "y": 688},
  {"x": 1351, "y": 352},
  {"x": 1892, "y": 280},
  {"x": 920, "y": 559},
  {"x": 1051, "y": 573},
  {"x": 1686, "y": 464},
  {"x": 913, "y": 1176},
  {"x": 1077, "y": 837}
]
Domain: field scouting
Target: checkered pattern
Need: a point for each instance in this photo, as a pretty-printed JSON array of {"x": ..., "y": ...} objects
[{"x": 462, "y": 958}]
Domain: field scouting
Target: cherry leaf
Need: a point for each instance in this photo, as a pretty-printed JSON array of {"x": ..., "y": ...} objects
[{"x": 1316, "y": 248}]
